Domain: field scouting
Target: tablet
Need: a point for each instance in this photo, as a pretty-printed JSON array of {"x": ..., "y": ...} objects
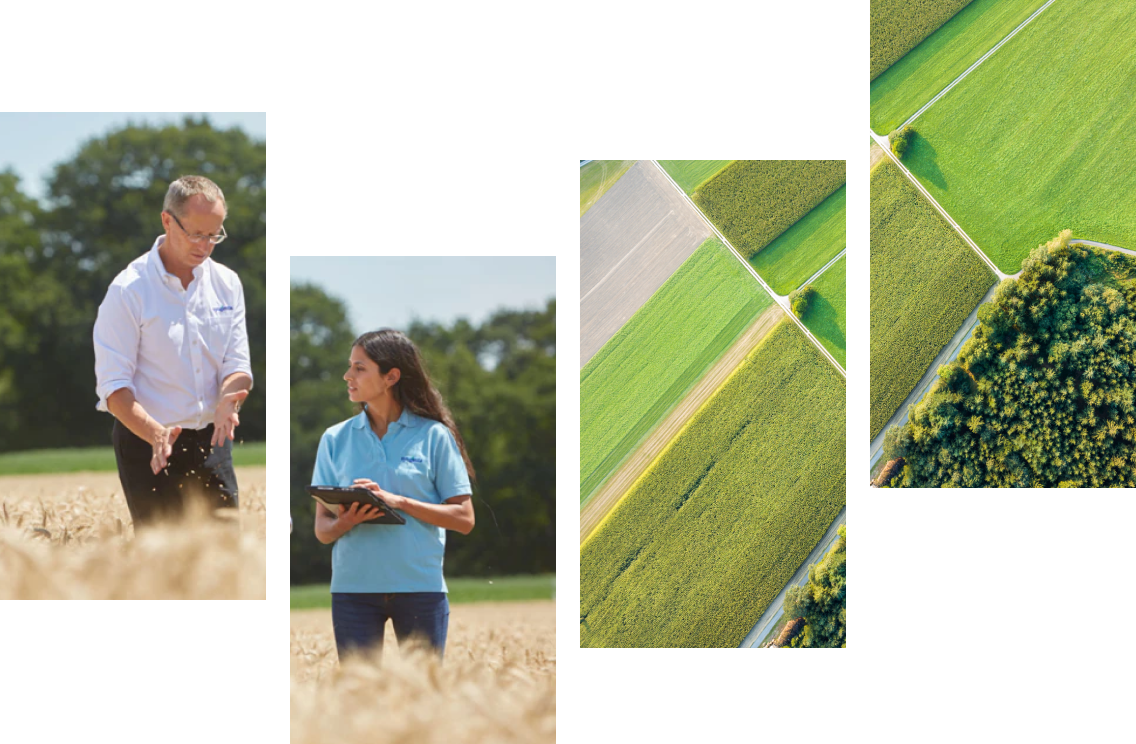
[{"x": 333, "y": 496}]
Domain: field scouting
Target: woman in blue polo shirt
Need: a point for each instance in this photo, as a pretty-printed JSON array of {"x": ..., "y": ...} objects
[{"x": 405, "y": 447}]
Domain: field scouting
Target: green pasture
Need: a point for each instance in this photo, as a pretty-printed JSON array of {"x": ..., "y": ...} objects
[
  {"x": 942, "y": 57},
  {"x": 707, "y": 537},
  {"x": 826, "y": 317},
  {"x": 1038, "y": 139},
  {"x": 463, "y": 589},
  {"x": 644, "y": 370},
  {"x": 806, "y": 247},
  {"x": 690, "y": 174},
  {"x": 81, "y": 459}
]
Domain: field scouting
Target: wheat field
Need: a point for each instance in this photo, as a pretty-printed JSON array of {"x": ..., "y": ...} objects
[
  {"x": 497, "y": 684},
  {"x": 69, "y": 536}
]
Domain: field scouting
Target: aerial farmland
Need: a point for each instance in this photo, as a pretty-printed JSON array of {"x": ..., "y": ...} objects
[
  {"x": 1002, "y": 188},
  {"x": 693, "y": 521}
]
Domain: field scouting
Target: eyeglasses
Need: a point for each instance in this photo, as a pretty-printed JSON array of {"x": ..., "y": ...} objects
[{"x": 197, "y": 238}]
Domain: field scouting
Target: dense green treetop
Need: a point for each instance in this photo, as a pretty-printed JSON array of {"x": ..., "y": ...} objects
[
  {"x": 821, "y": 600},
  {"x": 1042, "y": 394}
]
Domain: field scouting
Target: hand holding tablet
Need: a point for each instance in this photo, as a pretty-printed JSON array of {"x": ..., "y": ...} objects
[{"x": 334, "y": 496}]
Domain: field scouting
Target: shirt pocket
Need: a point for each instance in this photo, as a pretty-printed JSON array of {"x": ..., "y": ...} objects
[{"x": 216, "y": 330}]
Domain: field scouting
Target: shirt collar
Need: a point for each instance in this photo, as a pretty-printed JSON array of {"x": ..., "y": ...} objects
[
  {"x": 407, "y": 419},
  {"x": 160, "y": 267}
]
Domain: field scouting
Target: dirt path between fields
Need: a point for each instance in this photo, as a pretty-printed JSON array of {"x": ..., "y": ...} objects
[
  {"x": 877, "y": 154},
  {"x": 613, "y": 489}
]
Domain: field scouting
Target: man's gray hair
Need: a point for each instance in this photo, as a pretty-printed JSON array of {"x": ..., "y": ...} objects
[{"x": 187, "y": 186}]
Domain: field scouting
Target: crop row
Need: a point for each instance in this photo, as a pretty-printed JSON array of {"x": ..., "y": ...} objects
[
  {"x": 925, "y": 281},
  {"x": 707, "y": 537},
  {"x": 690, "y": 174},
  {"x": 899, "y": 25},
  {"x": 754, "y": 201}
]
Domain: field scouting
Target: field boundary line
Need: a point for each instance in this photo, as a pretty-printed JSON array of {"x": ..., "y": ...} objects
[
  {"x": 779, "y": 299},
  {"x": 824, "y": 268},
  {"x": 981, "y": 59},
  {"x": 882, "y": 141}
]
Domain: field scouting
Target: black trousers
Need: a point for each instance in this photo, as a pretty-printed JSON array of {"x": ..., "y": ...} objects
[{"x": 195, "y": 470}]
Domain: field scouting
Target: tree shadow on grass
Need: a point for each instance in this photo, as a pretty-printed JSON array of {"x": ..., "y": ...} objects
[
  {"x": 920, "y": 160},
  {"x": 821, "y": 321}
]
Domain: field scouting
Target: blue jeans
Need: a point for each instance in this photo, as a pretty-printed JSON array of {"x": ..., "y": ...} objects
[{"x": 359, "y": 619}]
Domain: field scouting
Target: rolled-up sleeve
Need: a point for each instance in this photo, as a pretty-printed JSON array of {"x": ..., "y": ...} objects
[
  {"x": 450, "y": 476},
  {"x": 237, "y": 358},
  {"x": 117, "y": 334},
  {"x": 324, "y": 473}
]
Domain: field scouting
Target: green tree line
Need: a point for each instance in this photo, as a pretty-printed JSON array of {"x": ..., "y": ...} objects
[
  {"x": 59, "y": 255},
  {"x": 1043, "y": 393},
  {"x": 499, "y": 380}
]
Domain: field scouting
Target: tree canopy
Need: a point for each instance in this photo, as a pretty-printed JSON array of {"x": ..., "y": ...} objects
[
  {"x": 821, "y": 600},
  {"x": 1042, "y": 394}
]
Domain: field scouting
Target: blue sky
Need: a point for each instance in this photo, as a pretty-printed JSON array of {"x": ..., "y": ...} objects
[{"x": 389, "y": 291}]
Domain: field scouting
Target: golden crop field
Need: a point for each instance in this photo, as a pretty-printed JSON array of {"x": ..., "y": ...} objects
[
  {"x": 69, "y": 536},
  {"x": 497, "y": 683}
]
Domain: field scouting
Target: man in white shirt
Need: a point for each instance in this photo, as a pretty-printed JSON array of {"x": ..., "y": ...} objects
[{"x": 172, "y": 361}]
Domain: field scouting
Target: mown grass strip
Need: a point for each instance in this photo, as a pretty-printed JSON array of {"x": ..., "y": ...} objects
[
  {"x": 940, "y": 58},
  {"x": 899, "y": 25},
  {"x": 806, "y": 247},
  {"x": 597, "y": 177},
  {"x": 98, "y": 459},
  {"x": 643, "y": 371},
  {"x": 690, "y": 174},
  {"x": 1038, "y": 138},
  {"x": 826, "y": 317},
  {"x": 463, "y": 589}
]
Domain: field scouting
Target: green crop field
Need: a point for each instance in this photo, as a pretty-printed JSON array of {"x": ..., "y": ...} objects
[
  {"x": 98, "y": 459},
  {"x": 806, "y": 247},
  {"x": 462, "y": 589},
  {"x": 690, "y": 174},
  {"x": 597, "y": 177},
  {"x": 1038, "y": 138},
  {"x": 899, "y": 25},
  {"x": 754, "y": 201},
  {"x": 707, "y": 537},
  {"x": 925, "y": 281},
  {"x": 942, "y": 57},
  {"x": 644, "y": 370}
]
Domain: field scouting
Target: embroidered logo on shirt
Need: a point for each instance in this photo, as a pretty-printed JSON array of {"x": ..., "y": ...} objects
[
  {"x": 223, "y": 308},
  {"x": 413, "y": 459}
]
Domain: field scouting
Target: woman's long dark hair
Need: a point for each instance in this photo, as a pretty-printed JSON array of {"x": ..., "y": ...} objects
[{"x": 389, "y": 348}]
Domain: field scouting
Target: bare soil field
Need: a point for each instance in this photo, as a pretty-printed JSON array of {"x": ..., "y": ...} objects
[
  {"x": 631, "y": 241},
  {"x": 618, "y": 484}
]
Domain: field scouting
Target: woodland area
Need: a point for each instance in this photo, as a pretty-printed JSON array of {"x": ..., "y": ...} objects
[
  {"x": 820, "y": 602},
  {"x": 1042, "y": 394}
]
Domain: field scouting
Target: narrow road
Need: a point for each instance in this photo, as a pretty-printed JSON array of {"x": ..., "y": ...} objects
[
  {"x": 776, "y": 608},
  {"x": 975, "y": 66},
  {"x": 782, "y": 300},
  {"x": 950, "y": 353},
  {"x": 824, "y": 268}
]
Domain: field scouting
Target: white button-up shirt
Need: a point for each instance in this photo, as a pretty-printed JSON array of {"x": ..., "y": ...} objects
[{"x": 171, "y": 346}]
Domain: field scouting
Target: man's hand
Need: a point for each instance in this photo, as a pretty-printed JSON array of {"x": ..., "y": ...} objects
[
  {"x": 393, "y": 500},
  {"x": 225, "y": 419},
  {"x": 163, "y": 447}
]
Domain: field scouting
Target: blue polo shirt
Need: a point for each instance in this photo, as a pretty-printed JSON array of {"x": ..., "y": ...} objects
[{"x": 417, "y": 458}]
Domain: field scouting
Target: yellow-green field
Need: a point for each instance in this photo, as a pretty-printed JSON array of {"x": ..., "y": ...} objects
[
  {"x": 711, "y": 532},
  {"x": 645, "y": 369}
]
